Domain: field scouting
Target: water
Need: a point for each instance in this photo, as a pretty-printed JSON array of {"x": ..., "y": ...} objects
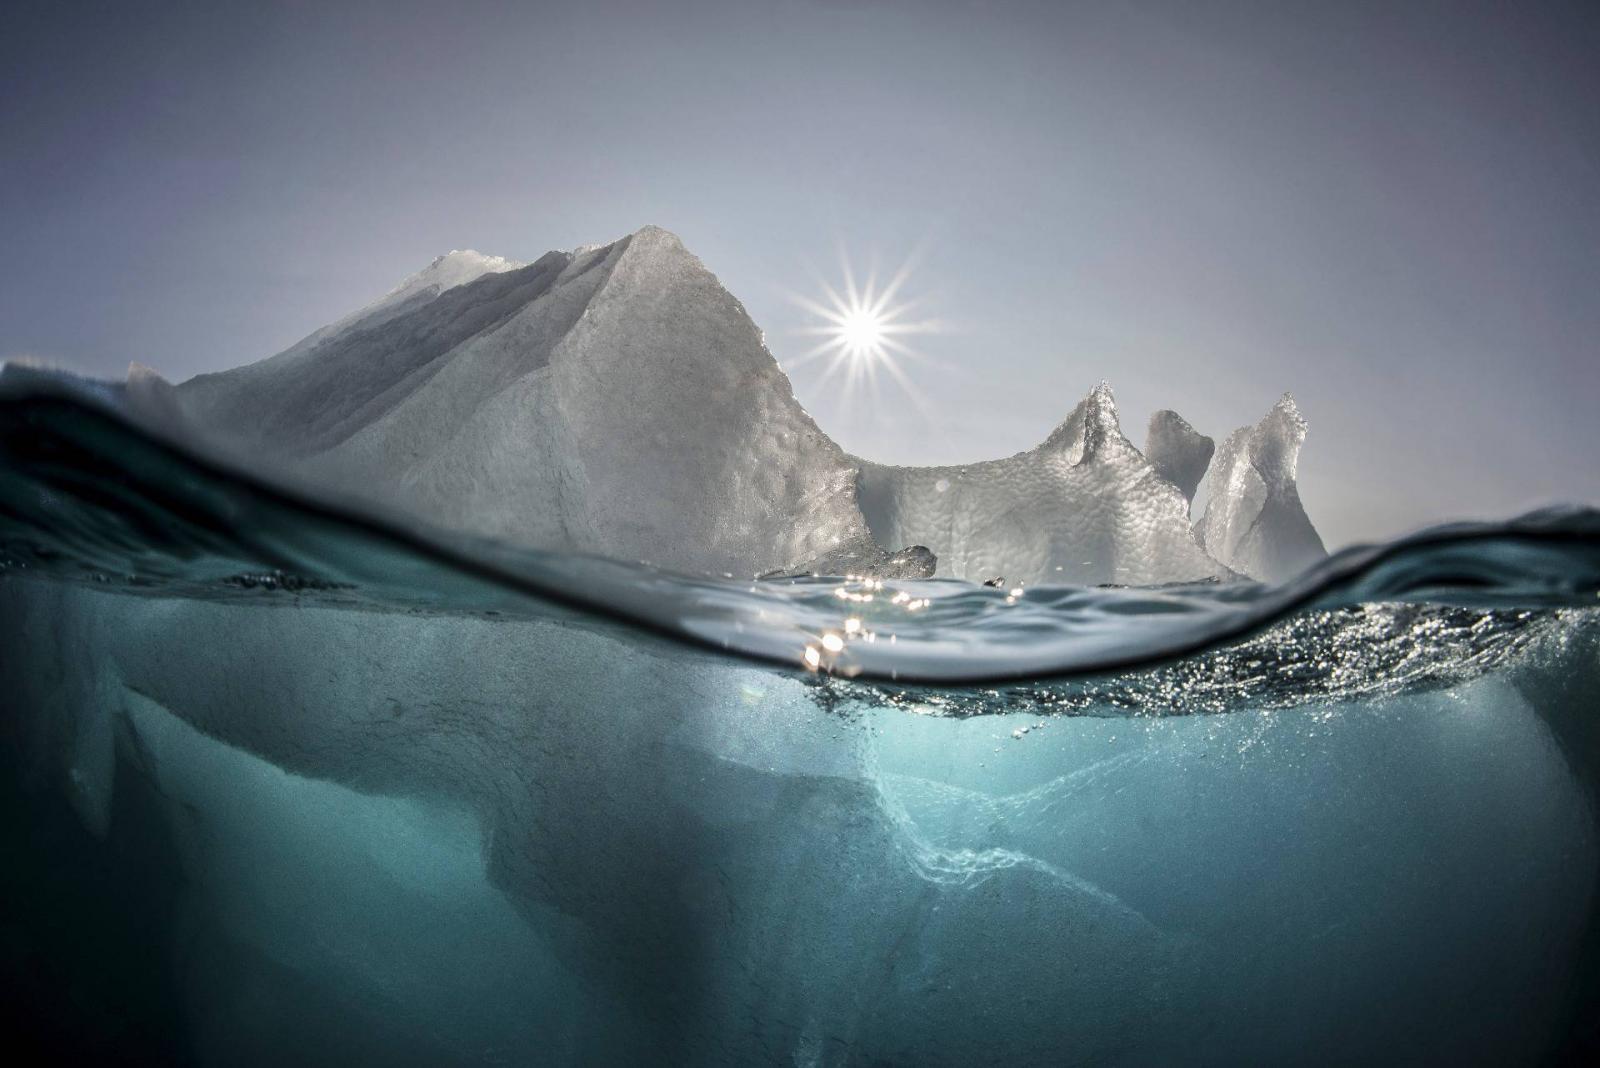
[{"x": 290, "y": 782}]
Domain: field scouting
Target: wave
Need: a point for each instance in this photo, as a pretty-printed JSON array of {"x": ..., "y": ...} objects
[{"x": 89, "y": 492}]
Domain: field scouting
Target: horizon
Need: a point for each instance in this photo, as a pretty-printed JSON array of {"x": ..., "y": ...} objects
[{"x": 1387, "y": 214}]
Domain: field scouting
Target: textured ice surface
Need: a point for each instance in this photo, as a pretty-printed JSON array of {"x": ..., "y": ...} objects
[
  {"x": 1254, "y": 522},
  {"x": 1084, "y": 507},
  {"x": 1179, "y": 453},
  {"x": 616, "y": 400}
]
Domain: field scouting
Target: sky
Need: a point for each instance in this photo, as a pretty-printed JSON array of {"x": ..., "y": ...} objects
[{"x": 1391, "y": 210}]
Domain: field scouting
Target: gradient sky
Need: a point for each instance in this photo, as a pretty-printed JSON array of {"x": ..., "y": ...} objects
[{"x": 1391, "y": 210}]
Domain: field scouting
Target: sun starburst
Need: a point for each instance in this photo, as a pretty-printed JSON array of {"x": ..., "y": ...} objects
[{"x": 863, "y": 329}]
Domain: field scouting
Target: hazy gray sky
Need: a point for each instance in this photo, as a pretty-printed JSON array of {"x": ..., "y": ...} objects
[{"x": 1392, "y": 210}]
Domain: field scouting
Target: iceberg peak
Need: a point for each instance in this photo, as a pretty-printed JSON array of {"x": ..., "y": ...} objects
[
  {"x": 455, "y": 268},
  {"x": 1254, "y": 521},
  {"x": 1093, "y": 424},
  {"x": 1275, "y": 448},
  {"x": 652, "y": 232}
]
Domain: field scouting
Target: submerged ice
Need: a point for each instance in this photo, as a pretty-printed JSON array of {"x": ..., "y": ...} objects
[{"x": 443, "y": 839}]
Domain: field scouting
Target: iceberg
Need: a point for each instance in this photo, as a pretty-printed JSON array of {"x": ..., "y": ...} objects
[{"x": 618, "y": 400}]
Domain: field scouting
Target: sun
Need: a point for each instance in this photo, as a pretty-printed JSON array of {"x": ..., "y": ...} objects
[
  {"x": 863, "y": 329},
  {"x": 861, "y": 332}
]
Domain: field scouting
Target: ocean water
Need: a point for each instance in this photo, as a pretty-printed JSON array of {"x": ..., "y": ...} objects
[{"x": 286, "y": 782}]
